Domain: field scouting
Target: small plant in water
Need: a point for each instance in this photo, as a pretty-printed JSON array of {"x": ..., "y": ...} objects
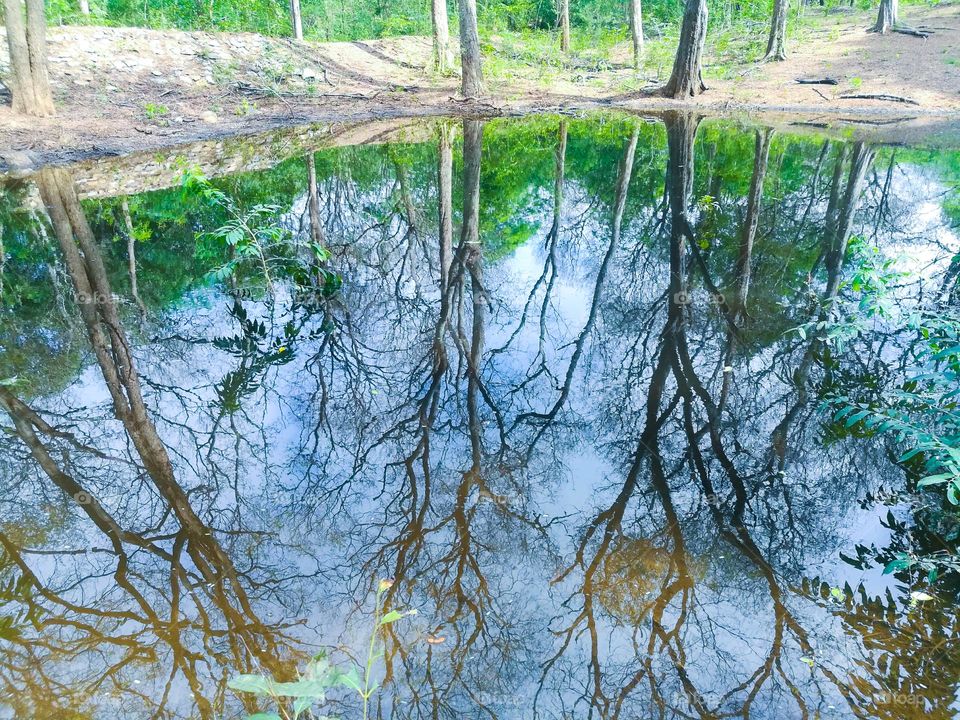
[{"x": 293, "y": 699}]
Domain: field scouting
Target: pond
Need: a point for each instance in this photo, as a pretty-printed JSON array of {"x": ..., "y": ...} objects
[{"x": 567, "y": 387}]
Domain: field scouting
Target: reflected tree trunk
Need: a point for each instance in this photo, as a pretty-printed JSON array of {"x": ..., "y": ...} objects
[
  {"x": 27, "y": 44},
  {"x": 313, "y": 203},
  {"x": 472, "y": 139},
  {"x": 749, "y": 231},
  {"x": 442, "y": 54},
  {"x": 686, "y": 80},
  {"x": 559, "y": 179},
  {"x": 445, "y": 202},
  {"x": 108, "y": 340},
  {"x": 471, "y": 71},
  {"x": 132, "y": 258},
  {"x": 777, "y": 42},
  {"x": 404, "y": 184},
  {"x": 860, "y": 161},
  {"x": 636, "y": 30}
]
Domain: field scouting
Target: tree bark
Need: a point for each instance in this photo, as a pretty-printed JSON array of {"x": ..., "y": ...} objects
[
  {"x": 749, "y": 230},
  {"x": 442, "y": 56},
  {"x": 85, "y": 7},
  {"x": 295, "y": 20},
  {"x": 563, "y": 16},
  {"x": 37, "y": 47},
  {"x": 26, "y": 41},
  {"x": 636, "y": 30},
  {"x": 887, "y": 17},
  {"x": 777, "y": 42},
  {"x": 686, "y": 80},
  {"x": 471, "y": 72}
]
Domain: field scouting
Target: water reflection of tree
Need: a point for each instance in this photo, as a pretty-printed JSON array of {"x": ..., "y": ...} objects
[
  {"x": 178, "y": 594},
  {"x": 444, "y": 408}
]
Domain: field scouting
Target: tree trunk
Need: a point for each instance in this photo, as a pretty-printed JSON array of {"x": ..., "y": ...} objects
[
  {"x": 686, "y": 80},
  {"x": 558, "y": 182},
  {"x": 887, "y": 17},
  {"x": 777, "y": 42},
  {"x": 85, "y": 7},
  {"x": 132, "y": 258},
  {"x": 471, "y": 73},
  {"x": 749, "y": 230},
  {"x": 445, "y": 203},
  {"x": 636, "y": 30},
  {"x": 442, "y": 57},
  {"x": 563, "y": 13},
  {"x": 27, "y": 43},
  {"x": 295, "y": 20}
]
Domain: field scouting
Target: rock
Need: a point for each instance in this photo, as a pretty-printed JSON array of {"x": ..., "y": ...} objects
[
  {"x": 208, "y": 116},
  {"x": 156, "y": 73},
  {"x": 309, "y": 74}
]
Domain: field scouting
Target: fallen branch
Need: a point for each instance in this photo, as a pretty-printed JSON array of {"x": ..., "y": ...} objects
[
  {"x": 821, "y": 94},
  {"x": 818, "y": 81},
  {"x": 915, "y": 32},
  {"x": 879, "y": 96}
]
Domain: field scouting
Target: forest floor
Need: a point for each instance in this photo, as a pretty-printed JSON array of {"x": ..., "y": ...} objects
[{"x": 120, "y": 90}]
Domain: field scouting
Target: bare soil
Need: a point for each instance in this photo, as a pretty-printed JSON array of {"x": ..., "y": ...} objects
[{"x": 123, "y": 90}]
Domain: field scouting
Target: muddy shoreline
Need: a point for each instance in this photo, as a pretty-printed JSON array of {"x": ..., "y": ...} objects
[{"x": 877, "y": 125}]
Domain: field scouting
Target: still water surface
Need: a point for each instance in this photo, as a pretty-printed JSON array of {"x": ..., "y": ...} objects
[{"x": 560, "y": 401}]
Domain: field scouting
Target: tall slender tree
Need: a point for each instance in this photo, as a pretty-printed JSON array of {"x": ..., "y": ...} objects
[
  {"x": 563, "y": 19},
  {"x": 777, "y": 42},
  {"x": 296, "y": 20},
  {"x": 636, "y": 30},
  {"x": 27, "y": 42},
  {"x": 686, "y": 80},
  {"x": 442, "y": 54},
  {"x": 471, "y": 71}
]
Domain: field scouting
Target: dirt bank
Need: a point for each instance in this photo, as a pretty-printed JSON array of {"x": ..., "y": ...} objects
[{"x": 122, "y": 90}]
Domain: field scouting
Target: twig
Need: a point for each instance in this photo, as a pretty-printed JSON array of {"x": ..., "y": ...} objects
[{"x": 821, "y": 94}]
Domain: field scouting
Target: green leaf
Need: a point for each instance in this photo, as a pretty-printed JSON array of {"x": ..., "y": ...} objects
[
  {"x": 316, "y": 689},
  {"x": 265, "y": 716},
  {"x": 391, "y": 617},
  {"x": 256, "y": 684},
  {"x": 934, "y": 479},
  {"x": 349, "y": 679},
  {"x": 901, "y": 563}
]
